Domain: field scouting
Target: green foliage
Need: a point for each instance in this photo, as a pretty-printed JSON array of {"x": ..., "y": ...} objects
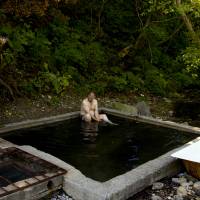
[
  {"x": 155, "y": 82},
  {"x": 191, "y": 59},
  {"x": 79, "y": 46},
  {"x": 182, "y": 79},
  {"x": 47, "y": 82}
]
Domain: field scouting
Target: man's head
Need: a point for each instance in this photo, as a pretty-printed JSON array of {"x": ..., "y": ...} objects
[{"x": 91, "y": 96}]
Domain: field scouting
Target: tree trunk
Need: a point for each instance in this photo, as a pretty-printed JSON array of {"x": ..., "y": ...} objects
[
  {"x": 188, "y": 23},
  {"x": 142, "y": 34},
  {"x": 8, "y": 87}
]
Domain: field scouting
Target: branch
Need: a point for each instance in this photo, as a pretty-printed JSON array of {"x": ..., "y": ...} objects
[
  {"x": 99, "y": 15},
  {"x": 188, "y": 23},
  {"x": 172, "y": 35},
  {"x": 165, "y": 20},
  {"x": 7, "y": 86}
]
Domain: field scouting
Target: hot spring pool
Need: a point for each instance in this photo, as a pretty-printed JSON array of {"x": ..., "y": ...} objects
[{"x": 102, "y": 152}]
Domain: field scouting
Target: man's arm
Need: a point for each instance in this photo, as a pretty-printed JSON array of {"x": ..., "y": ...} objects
[
  {"x": 85, "y": 108},
  {"x": 96, "y": 111}
]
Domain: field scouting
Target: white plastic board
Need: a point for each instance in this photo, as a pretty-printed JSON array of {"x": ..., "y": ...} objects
[{"x": 190, "y": 153}]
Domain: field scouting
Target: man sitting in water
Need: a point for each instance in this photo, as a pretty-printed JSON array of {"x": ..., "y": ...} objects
[{"x": 89, "y": 110}]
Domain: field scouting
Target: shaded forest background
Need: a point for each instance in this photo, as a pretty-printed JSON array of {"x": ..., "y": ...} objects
[{"x": 55, "y": 46}]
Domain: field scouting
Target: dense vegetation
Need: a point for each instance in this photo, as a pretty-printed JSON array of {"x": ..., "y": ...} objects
[{"x": 52, "y": 46}]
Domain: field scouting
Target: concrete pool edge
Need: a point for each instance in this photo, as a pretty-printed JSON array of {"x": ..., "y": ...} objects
[
  {"x": 38, "y": 122},
  {"x": 121, "y": 187},
  {"x": 154, "y": 121},
  {"x": 58, "y": 118}
]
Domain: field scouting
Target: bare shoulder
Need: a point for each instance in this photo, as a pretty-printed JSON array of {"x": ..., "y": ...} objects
[
  {"x": 95, "y": 101},
  {"x": 84, "y": 101}
]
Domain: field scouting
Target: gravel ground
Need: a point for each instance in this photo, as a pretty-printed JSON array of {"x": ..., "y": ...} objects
[
  {"x": 181, "y": 187},
  {"x": 47, "y": 105}
]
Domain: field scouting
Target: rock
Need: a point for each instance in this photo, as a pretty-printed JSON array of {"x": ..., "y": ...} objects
[
  {"x": 156, "y": 197},
  {"x": 196, "y": 188},
  {"x": 125, "y": 108},
  {"x": 179, "y": 181},
  {"x": 171, "y": 113},
  {"x": 190, "y": 178},
  {"x": 187, "y": 185},
  {"x": 175, "y": 180},
  {"x": 185, "y": 123},
  {"x": 181, "y": 191},
  {"x": 177, "y": 197},
  {"x": 169, "y": 197},
  {"x": 143, "y": 109},
  {"x": 182, "y": 174},
  {"x": 157, "y": 186}
]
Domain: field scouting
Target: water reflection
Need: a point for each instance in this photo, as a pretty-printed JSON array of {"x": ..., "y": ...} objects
[
  {"x": 89, "y": 130},
  {"x": 132, "y": 155}
]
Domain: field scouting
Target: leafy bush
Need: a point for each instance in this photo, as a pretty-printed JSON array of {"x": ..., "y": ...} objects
[
  {"x": 47, "y": 82},
  {"x": 191, "y": 58},
  {"x": 182, "y": 80},
  {"x": 79, "y": 46},
  {"x": 155, "y": 82}
]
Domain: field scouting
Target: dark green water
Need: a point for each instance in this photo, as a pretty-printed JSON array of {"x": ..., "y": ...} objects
[
  {"x": 102, "y": 152},
  {"x": 13, "y": 173}
]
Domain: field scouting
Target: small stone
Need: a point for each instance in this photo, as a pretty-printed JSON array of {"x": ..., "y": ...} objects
[
  {"x": 182, "y": 174},
  {"x": 157, "y": 186},
  {"x": 190, "y": 183},
  {"x": 196, "y": 185},
  {"x": 178, "y": 197},
  {"x": 179, "y": 181},
  {"x": 169, "y": 197},
  {"x": 175, "y": 180},
  {"x": 191, "y": 192},
  {"x": 156, "y": 197},
  {"x": 196, "y": 188},
  {"x": 190, "y": 178},
  {"x": 181, "y": 191},
  {"x": 171, "y": 194},
  {"x": 187, "y": 185}
]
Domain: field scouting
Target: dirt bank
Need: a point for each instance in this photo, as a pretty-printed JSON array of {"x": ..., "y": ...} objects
[{"x": 47, "y": 105}]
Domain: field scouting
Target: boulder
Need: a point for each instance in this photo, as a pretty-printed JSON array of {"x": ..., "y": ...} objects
[{"x": 143, "y": 109}]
